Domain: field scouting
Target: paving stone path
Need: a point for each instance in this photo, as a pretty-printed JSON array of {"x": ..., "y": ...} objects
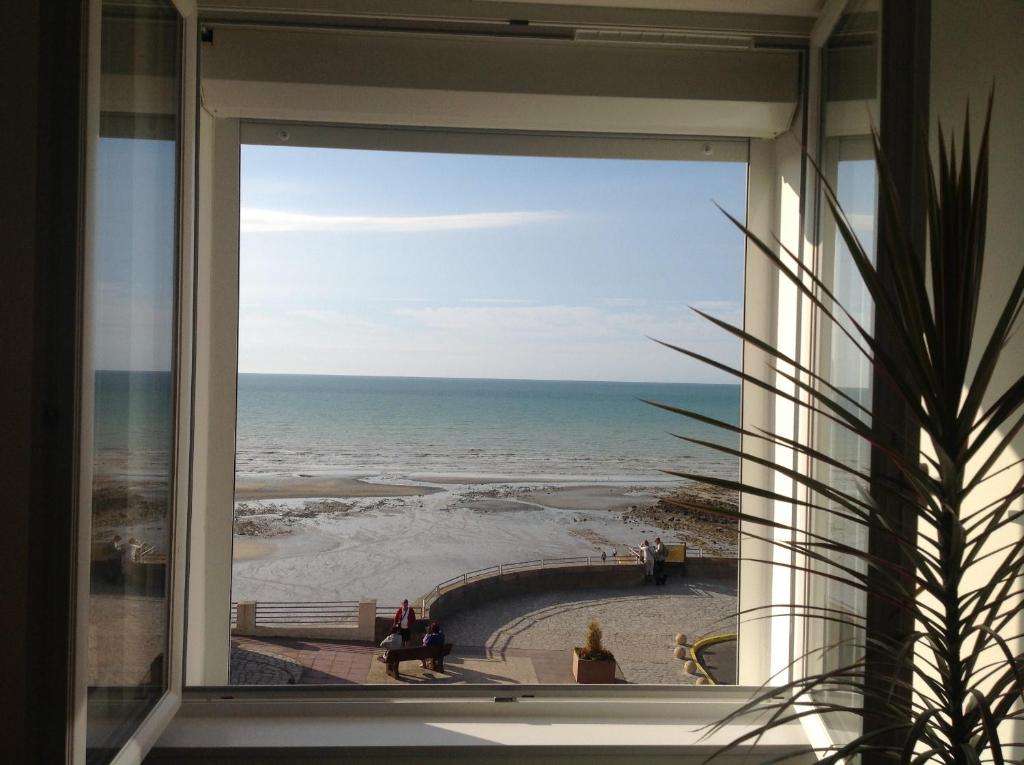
[
  {"x": 262, "y": 667},
  {"x": 639, "y": 624},
  {"x": 525, "y": 639}
]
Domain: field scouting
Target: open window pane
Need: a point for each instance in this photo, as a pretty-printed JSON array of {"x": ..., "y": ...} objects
[
  {"x": 442, "y": 358},
  {"x": 837, "y": 641},
  {"x": 131, "y": 294}
]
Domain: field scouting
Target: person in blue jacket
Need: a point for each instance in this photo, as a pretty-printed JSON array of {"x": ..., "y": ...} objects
[{"x": 433, "y": 636}]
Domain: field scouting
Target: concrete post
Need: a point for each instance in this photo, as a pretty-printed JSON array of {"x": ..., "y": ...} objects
[
  {"x": 367, "y": 618},
  {"x": 246, "y": 617}
]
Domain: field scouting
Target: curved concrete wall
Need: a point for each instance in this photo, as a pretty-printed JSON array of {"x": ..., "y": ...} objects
[{"x": 487, "y": 589}]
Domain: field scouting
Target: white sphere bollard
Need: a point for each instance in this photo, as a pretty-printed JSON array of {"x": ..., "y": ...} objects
[
  {"x": 702, "y": 681},
  {"x": 690, "y": 667},
  {"x": 681, "y": 652},
  {"x": 680, "y": 638}
]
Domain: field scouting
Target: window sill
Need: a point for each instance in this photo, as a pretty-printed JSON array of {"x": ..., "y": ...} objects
[{"x": 551, "y": 722}]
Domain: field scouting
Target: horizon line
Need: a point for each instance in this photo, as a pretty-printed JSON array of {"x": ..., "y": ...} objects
[{"x": 495, "y": 379}]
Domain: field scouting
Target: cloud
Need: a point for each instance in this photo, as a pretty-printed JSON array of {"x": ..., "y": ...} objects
[
  {"x": 622, "y": 301},
  {"x": 255, "y": 220},
  {"x": 547, "y": 341},
  {"x": 723, "y": 309},
  {"x": 503, "y": 301},
  {"x": 494, "y": 321}
]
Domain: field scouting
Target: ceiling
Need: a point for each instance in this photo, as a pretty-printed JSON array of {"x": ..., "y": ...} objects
[
  {"x": 809, "y": 8},
  {"x": 765, "y": 21}
]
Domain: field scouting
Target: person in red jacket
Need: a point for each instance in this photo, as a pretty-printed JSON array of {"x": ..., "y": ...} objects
[{"x": 405, "y": 618}]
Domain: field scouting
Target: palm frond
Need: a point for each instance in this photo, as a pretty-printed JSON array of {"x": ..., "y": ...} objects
[{"x": 944, "y": 691}]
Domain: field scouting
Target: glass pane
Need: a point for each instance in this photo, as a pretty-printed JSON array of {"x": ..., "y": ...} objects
[
  {"x": 132, "y": 335},
  {"x": 850, "y": 109},
  {"x": 443, "y": 364}
]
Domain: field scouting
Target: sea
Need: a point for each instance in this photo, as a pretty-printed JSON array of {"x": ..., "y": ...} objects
[{"x": 478, "y": 429}]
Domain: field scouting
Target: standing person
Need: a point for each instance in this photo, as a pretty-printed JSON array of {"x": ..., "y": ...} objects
[
  {"x": 659, "y": 561},
  {"x": 647, "y": 560},
  {"x": 405, "y": 618},
  {"x": 115, "y": 567}
]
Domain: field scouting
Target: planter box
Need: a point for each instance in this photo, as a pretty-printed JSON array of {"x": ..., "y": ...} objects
[{"x": 593, "y": 671}]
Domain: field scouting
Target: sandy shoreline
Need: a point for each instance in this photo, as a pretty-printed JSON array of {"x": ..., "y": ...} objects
[
  {"x": 308, "y": 487},
  {"x": 329, "y": 538}
]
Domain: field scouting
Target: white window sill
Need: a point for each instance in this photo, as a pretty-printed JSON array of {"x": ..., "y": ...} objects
[{"x": 669, "y": 724}]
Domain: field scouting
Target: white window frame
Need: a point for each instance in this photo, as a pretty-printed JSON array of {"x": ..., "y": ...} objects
[
  {"x": 776, "y": 182},
  {"x": 160, "y": 715},
  {"x": 221, "y": 141}
]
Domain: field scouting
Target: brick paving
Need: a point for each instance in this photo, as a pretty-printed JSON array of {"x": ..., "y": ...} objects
[{"x": 320, "y": 661}]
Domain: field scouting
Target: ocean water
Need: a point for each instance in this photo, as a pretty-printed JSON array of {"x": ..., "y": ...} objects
[
  {"x": 134, "y": 415},
  {"x": 418, "y": 428}
]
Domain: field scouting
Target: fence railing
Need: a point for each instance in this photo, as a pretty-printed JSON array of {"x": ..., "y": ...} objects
[
  {"x": 269, "y": 613},
  {"x": 542, "y": 563},
  {"x": 507, "y": 568},
  {"x": 277, "y": 613}
]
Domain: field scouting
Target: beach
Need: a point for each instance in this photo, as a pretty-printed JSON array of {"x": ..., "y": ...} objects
[
  {"x": 383, "y": 487},
  {"x": 392, "y": 540}
]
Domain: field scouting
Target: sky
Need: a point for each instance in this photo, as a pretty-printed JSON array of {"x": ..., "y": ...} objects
[
  {"x": 444, "y": 265},
  {"x": 133, "y": 282}
]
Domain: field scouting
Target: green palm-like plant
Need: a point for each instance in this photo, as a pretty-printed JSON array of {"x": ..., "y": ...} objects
[{"x": 949, "y": 684}]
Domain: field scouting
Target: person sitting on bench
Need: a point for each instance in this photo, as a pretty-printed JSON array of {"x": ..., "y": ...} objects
[
  {"x": 393, "y": 640},
  {"x": 433, "y": 636}
]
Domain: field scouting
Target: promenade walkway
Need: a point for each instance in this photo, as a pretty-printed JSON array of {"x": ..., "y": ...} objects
[{"x": 524, "y": 639}]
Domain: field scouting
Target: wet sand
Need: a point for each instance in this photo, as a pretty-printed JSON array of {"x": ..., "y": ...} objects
[
  {"x": 252, "y": 549},
  {"x": 398, "y": 541},
  {"x": 591, "y": 497},
  {"x": 298, "y": 487}
]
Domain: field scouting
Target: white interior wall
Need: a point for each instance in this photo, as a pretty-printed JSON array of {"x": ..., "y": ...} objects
[
  {"x": 388, "y": 78},
  {"x": 987, "y": 33}
]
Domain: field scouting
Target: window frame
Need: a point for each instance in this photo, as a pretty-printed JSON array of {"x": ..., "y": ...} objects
[
  {"x": 218, "y": 298},
  {"x": 147, "y": 730},
  {"x": 776, "y": 205}
]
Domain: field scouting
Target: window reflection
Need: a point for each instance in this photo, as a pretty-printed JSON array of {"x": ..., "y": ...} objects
[
  {"x": 132, "y": 340},
  {"x": 847, "y": 162}
]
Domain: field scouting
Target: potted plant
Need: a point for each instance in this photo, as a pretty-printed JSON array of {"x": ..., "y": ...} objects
[
  {"x": 949, "y": 688},
  {"x": 592, "y": 663}
]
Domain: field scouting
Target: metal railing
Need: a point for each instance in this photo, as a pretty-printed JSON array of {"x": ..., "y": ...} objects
[
  {"x": 507, "y": 568},
  {"x": 540, "y": 563},
  {"x": 276, "y": 613},
  {"x": 270, "y": 613},
  {"x": 699, "y": 553}
]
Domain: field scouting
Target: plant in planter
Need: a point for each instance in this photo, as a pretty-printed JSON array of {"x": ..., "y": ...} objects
[
  {"x": 592, "y": 662},
  {"x": 948, "y": 687}
]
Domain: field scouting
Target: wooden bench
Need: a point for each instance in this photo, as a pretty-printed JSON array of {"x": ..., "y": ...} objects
[{"x": 435, "y": 653}]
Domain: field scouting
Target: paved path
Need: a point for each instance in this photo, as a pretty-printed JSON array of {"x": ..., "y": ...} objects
[
  {"x": 525, "y": 639},
  {"x": 302, "y": 662},
  {"x": 639, "y": 624}
]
